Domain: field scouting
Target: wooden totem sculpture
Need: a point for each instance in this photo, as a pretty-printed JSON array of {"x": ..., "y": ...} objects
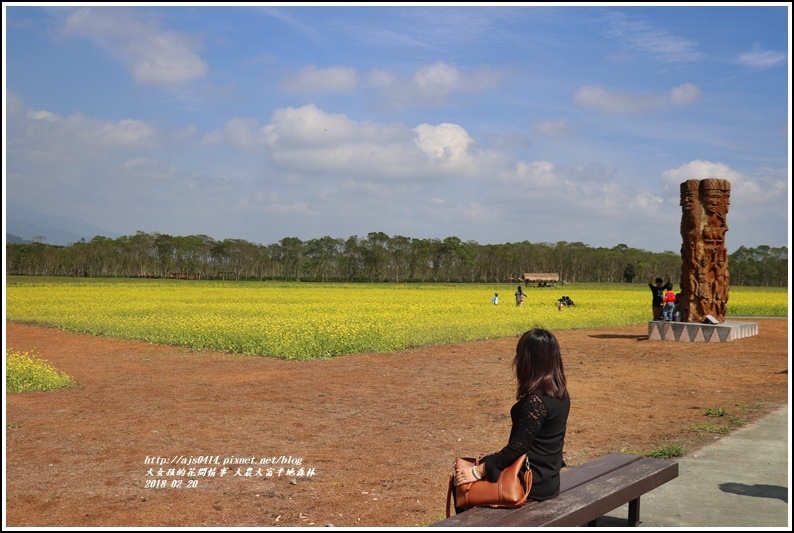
[{"x": 704, "y": 268}]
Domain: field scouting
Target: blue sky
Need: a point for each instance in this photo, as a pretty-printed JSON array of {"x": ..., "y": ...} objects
[{"x": 489, "y": 123}]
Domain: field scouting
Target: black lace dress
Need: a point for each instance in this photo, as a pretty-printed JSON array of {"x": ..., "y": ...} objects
[{"x": 538, "y": 430}]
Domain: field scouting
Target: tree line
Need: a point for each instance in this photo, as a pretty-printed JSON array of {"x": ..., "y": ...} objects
[{"x": 377, "y": 257}]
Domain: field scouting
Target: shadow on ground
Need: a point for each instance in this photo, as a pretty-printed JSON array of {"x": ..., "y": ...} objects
[
  {"x": 608, "y": 336},
  {"x": 757, "y": 491}
]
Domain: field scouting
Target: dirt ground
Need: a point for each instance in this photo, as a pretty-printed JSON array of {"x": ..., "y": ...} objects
[{"x": 363, "y": 440}]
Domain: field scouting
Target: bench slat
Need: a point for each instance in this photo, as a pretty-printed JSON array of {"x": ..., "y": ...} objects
[
  {"x": 590, "y": 501},
  {"x": 605, "y": 464}
]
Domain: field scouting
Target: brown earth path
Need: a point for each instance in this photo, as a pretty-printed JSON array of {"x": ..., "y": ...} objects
[{"x": 374, "y": 434}]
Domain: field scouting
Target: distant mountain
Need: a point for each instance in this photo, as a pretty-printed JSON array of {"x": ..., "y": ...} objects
[
  {"x": 13, "y": 239},
  {"x": 26, "y": 224}
]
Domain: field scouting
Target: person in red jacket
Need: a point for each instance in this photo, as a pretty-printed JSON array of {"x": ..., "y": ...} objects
[{"x": 669, "y": 305}]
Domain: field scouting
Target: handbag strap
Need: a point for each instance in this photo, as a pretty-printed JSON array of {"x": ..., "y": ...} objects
[
  {"x": 527, "y": 487},
  {"x": 449, "y": 491}
]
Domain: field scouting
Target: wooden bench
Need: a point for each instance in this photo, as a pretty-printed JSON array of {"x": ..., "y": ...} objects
[{"x": 587, "y": 492}]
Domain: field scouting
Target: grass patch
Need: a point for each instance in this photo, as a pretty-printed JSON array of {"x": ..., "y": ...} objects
[
  {"x": 711, "y": 428},
  {"x": 667, "y": 451},
  {"x": 748, "y": 406},
  {"x": 730, "y": 419},
  {"x": 629, "y": 451},
  {"x": 716, "y": 411},
  {"x": 27, "y": 372}
]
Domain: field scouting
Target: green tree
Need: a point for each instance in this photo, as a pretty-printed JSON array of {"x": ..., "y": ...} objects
[{"x": 629, "y": 274}]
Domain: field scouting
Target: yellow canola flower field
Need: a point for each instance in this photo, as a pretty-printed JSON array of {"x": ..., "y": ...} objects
[
  {"x": 312, "y": 320},
  {"x": 27, "y": 371}
]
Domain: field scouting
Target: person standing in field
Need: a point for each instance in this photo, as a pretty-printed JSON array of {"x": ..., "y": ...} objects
[
  {"x": 658, "y": 294},
  {"x": 495, "y": 299},
  {"x": 519, "y": 296}
]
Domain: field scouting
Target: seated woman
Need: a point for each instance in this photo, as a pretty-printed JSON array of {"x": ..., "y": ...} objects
[{"x": 539, "y": 416}]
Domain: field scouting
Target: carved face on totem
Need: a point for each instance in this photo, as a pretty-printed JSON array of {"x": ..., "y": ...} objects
[
  {"x": 712, "y": 200},
  {"x": 689, "y": 199}
]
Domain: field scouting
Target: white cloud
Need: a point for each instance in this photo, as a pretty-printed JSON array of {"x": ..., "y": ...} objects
[
  {"x": 275, "y": 203},
  {"x": 591, "y": 172},
  {"x": 43, "y": 115},
  {"x": 436, "y": 80},
  {"x": 645, "y": 201},
  {"x": 577, "y": 194},
  {"x": 153, "y": 55},
  {"x": 126, "y": 133},
  {"x": 483, "y": 78},
  {"x": 744, "y": 191},
  {"x": 307, "y": 139},
  {"x": 15, "y": 106},
  {"x": 371, "y": 188},
  {"x": 596, "y": 97},
  {"x": 434, "y": 84},
  {"x": 685, "y": 94},
  {"x": 293, "y": 22},
  {"x": 243, "y": 134},
  {"x": 447, "y": 145},
  {"x": 208, "y": 185},
  {"x": 297, "y": 208},
  {"x": 509, "y": 142},
  {"x": 532, "y": 175},
  {"x": 41, "y": 135},
  {"x": 759, "y": 58},
  {"x": 186, "y": 133},
  {"x": 552, "y": 128},
  {"x": 639, "y": 35},
  {"x": 331, "y": 79},
  {"x": 476, "y": 212},
  {"x": 164, "y": 59},
  {"x": 310, "y": 126},
  {"x": 142, "y": 168},
  {"x": 379, "y": 77},
  {"x": 303, "y": 128},
  {"x": 699, "y": 170}
]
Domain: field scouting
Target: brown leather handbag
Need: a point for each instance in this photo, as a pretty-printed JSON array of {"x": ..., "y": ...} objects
[{"x": 510, "y": 491}]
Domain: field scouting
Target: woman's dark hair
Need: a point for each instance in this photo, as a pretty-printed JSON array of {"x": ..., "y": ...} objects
[{"x": 538, "y": 365}]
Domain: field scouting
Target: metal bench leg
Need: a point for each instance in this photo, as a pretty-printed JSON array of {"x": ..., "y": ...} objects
[{"x": 634, "y": 513}]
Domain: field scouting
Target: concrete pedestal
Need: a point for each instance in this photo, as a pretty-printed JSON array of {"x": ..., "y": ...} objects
[{"x": 689, "y": 332}]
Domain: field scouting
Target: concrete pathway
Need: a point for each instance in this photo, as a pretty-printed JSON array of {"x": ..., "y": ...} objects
[{"x": 741, "y": 481}]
